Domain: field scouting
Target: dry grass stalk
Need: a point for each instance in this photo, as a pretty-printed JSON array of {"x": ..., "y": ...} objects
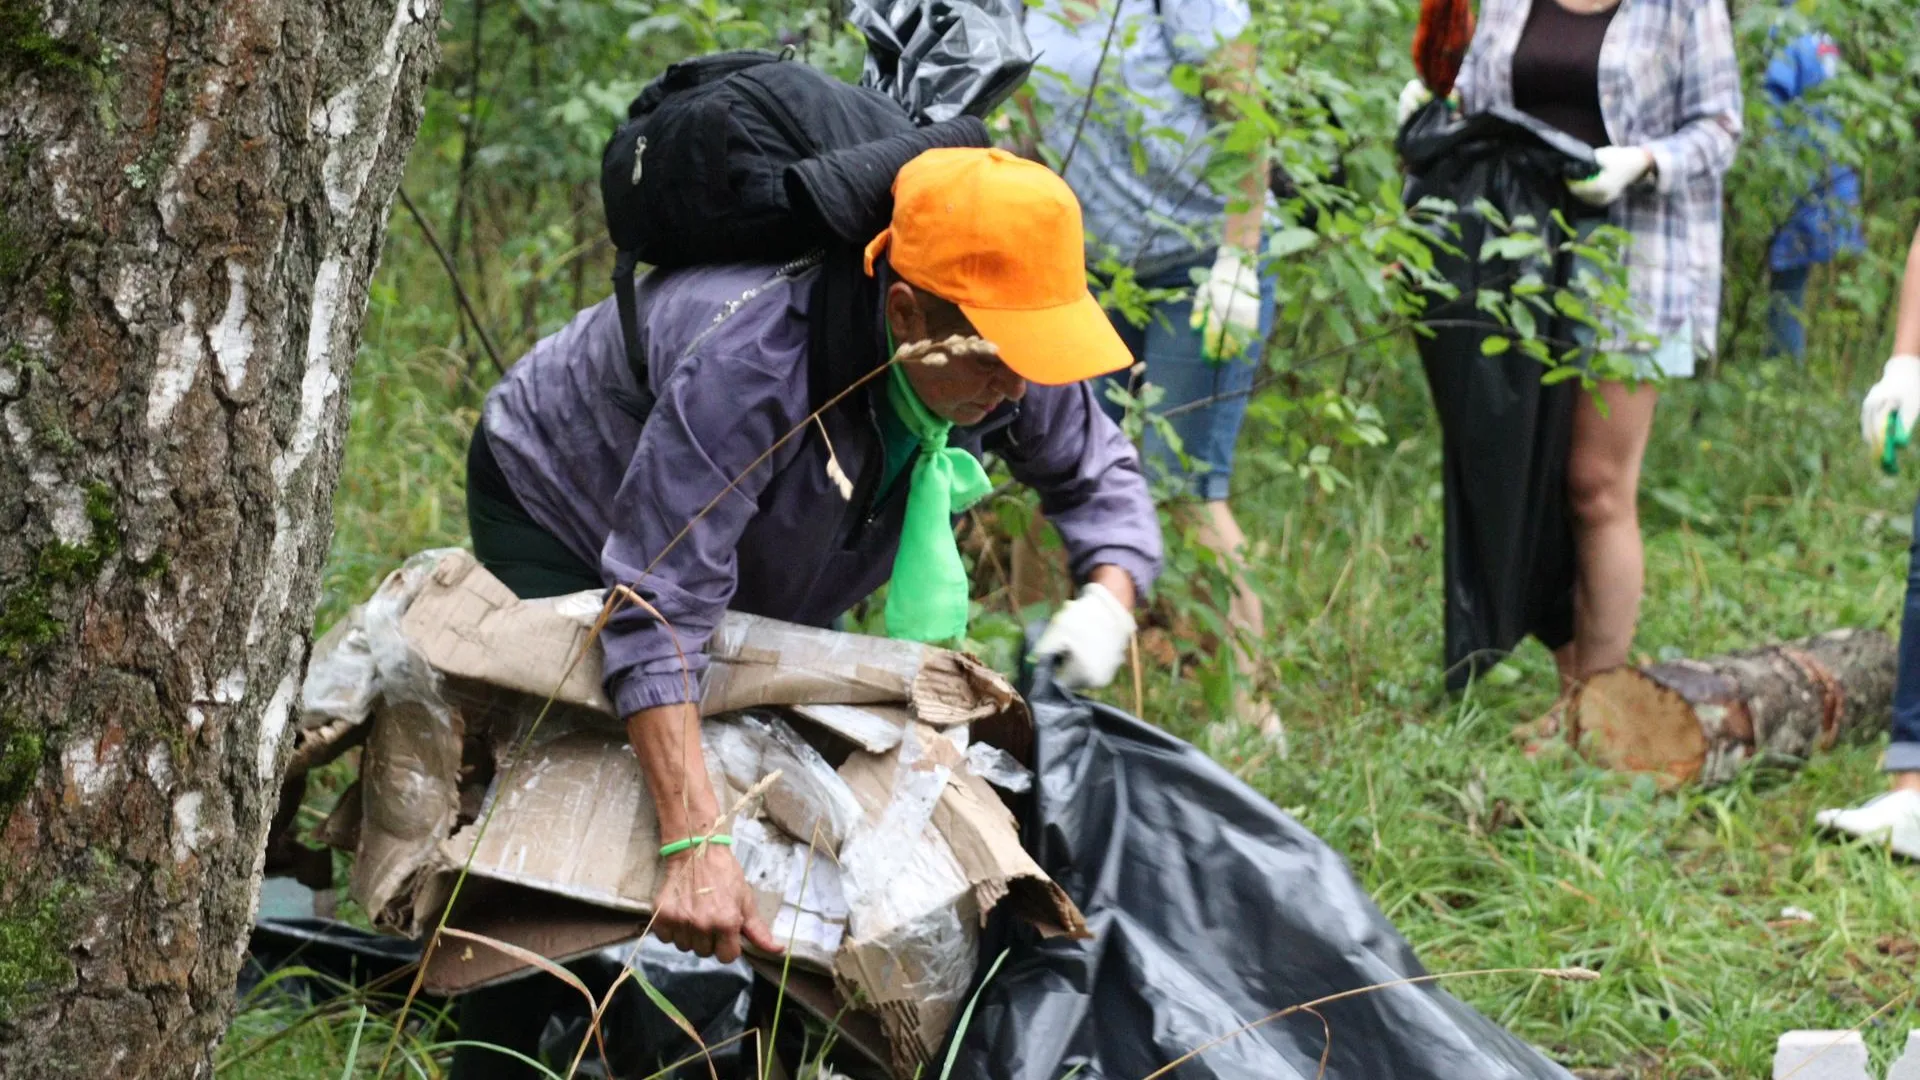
[{"x": 1572, "y": 974}]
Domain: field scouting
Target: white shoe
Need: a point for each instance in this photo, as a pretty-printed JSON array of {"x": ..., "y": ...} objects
[{"x": 1893, "y": 818}]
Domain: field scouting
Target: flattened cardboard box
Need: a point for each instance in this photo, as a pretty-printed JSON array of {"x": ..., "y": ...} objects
[{"x": 572, "y": 818}]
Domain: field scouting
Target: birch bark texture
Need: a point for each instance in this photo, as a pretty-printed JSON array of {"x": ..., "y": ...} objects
[{"x": 194, "y": 197}]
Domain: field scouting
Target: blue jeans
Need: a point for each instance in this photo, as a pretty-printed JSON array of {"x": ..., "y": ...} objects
[
  {"x": 1904, "y": 754},
  {"x": 1786, "y": 331},
  {"x": 1203, "y": 400}
]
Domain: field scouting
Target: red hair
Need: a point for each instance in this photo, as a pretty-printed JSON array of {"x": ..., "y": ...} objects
[{"x": 1440, "y": 42}]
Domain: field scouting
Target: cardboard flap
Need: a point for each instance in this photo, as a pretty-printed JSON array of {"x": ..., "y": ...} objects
[
  {"x": 574, "y": 819},
  {"x": 409, "y": 790},
  {"x": 465, "y": 623},
  {"x": 873, "y": 728}
]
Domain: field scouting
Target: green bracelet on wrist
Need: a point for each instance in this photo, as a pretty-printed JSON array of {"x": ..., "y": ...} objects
[{"x": 679, "y": 846}]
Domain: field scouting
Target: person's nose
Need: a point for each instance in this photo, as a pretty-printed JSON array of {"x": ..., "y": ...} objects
[{"x": 1010, "y": 386}]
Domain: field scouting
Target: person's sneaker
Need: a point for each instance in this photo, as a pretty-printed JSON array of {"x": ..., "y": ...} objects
[{"x": 1893, "y": 819}]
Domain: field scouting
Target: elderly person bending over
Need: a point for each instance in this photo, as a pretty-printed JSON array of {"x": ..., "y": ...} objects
[{"x": 702, "y": 507}]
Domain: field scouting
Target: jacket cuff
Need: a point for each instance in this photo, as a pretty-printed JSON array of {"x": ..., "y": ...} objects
[
  {"x": 1143, "y": 571},
  {"x": 633, "y": 691},
  {"x": 1666, "y": 165}
]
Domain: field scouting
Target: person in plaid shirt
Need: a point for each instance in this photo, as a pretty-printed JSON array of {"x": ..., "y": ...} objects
[{"x": 1654, "y": 87}]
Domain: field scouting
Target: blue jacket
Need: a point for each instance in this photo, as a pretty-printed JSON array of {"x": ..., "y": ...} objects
[{"x": 1826, "y": 220}]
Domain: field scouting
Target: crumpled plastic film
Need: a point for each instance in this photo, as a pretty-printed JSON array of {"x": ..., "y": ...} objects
[
  {"x": 402, "y": 673},
  {"x": 944, "y": 58},
  {"x": 341, "y": 682},
  {"x": 352, "y": 665},
  {"x": 997, "y": 767},
  {"x": 812, "y": 920},
  {"x": 810, "y": 801},
  {"x": 904, "y": 888}
]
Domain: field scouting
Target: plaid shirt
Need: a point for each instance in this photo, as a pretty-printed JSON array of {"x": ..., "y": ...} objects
[{"x": 1669, "y": 82}]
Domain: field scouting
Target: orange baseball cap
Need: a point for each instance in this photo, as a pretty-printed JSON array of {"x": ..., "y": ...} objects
[{"x": 1001, "y": 237}]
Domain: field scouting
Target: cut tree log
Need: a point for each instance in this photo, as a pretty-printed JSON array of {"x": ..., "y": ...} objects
[{"x": 1700, "y": 721}]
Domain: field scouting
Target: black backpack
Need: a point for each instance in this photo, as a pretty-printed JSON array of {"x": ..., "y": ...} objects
[{"x": 699, "y": 173}]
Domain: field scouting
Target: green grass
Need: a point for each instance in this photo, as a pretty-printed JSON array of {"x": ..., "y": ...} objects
[{"x": 1765, "y": 519}]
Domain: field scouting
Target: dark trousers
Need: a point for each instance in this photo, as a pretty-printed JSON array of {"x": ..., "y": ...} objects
[
  {"x": 526, "y": 558},
  {"x": 1904, "y": 754},
  {"x": 1786, "y": 314}
]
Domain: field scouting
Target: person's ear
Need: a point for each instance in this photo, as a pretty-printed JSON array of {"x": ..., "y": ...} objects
[{"x": 905, "y": 318}]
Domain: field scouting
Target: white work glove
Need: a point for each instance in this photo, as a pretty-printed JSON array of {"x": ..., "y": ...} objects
[
  {"x": 1226, "y": 306},
  {"x": 1412, "y": 96},
  {"x": 1621, "y": 167},
  {"x": 1898, "y": 391},
  {"x": 1089, "y": 634}
]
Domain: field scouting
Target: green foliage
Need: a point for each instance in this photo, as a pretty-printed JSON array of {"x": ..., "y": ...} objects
[
  {"x": 27, "y": 624},
  {"x": 68, "y": 564},
  {"x": 26, "y": 47},
  {"x": 1764, "y": 519},
  {"x": 32, "y": 961},
  {"x": 21, "y": 753}
]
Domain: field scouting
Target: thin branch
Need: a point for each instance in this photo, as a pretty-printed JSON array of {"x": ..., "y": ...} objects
[
  {"x": 453, "y": 274},
  {"x": 1093, "y": 85}
]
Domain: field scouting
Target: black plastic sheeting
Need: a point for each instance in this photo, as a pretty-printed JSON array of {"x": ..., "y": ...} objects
[
  {"x": 641, "y": 1039},
  {"x": 337, "y": 955},
  {"x": 1210, "y": 909},
  {"x": 943, "y": 58},
  {"x": 1510, "y": 560}
]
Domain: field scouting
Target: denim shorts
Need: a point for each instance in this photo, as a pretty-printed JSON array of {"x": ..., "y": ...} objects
[{"x": 1203, "y": 400}]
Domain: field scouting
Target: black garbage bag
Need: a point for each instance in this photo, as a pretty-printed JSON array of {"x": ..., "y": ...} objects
[
  {"x": 1210, "y": 909},
  {"x": 641, "y": 1039},
  {"x": 943, "y": 58},
  {"x": 333, "y": 957},
  {"x": 1509, "y": 548}
]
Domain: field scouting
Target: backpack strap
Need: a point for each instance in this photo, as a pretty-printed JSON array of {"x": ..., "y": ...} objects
[{"x": 623, "y": 290}]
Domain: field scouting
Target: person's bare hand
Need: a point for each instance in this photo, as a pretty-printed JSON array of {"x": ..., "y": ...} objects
[{"x": 705, "y": 907}]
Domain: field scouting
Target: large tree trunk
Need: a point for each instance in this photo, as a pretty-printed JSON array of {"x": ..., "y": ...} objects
[
  {"x": 1700, "y": 721},
  {"x": 194, "y": 197}
]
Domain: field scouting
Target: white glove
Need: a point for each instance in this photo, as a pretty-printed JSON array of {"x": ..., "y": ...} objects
[
  {"x": 1089, "y": 634},
  {"x": 1226, "y": 306},
  {"x": 1412, "y": 96},
  {"x": 1897, "y": 391},
  {"x": 1621, "y": 167}
]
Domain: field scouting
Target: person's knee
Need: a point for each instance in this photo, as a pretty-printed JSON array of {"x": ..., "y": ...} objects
[{"x": 1599, "y": 492}]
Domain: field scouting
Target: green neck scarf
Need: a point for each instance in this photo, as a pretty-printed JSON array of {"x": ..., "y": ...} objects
[{"x": 927, "y": 596}]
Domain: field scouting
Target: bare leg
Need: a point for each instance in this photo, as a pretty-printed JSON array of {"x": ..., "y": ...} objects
[
  {"x": 1220, "y": 532},
  {"x": 1603, "y": 486},
  {"x": 1603, "y": 489}
]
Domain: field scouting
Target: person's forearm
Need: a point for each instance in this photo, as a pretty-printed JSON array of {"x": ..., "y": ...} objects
[
  {"x": 666, "y": 739},
  {"x": 1906, "y": 335},
  {"x": 1238, "y": 75},
  {"x": 1116, "y": 581}
]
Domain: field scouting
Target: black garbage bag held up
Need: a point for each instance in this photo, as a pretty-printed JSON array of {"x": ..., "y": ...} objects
[
  {"x": 1210, "y": 909},
  {"x": 944, "y": 58},
  {"x": 1510, "y": 560}
]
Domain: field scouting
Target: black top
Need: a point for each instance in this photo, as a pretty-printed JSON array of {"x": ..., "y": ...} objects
[{"x": 1556, "y": 69}]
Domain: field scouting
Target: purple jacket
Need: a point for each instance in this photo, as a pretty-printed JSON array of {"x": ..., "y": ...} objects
[{"x": 731, "y": 377}]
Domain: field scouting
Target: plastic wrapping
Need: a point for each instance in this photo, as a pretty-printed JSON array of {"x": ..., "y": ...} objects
[
  {"x": 997, "y": 767},
  {"x": 1211, "y": 910},
  {"x": 345, "y": 673},
  {"x": 1509, "y": 548},
  {"x": 809, "y": 801},
  {"x": 944, "y": 58},
  {"x": 904, "y": 890}
]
